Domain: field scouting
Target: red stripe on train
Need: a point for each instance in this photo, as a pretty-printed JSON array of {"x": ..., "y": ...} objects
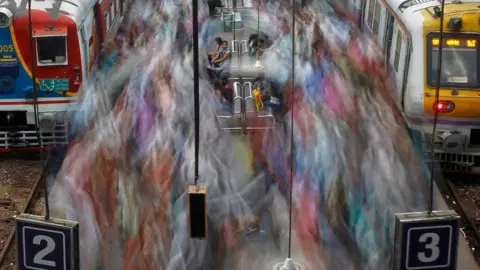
[{"x": 39, "y": 102}]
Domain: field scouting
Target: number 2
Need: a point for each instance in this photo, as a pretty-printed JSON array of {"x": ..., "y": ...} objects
[
  {"x": 433, "y": 240},
  {"x": 38, "y": 259}
]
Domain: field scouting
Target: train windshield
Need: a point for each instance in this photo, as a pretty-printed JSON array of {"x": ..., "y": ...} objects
[
  {"x": 52, "y": 50},
  {"x": 460, "y": 61}
]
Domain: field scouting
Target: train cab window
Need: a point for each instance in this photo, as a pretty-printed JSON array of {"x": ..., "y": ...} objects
[
  {"x": 51, "y": 50},
  {"x": 460, "y": 60},
  {"x": 398, "y": 49}
]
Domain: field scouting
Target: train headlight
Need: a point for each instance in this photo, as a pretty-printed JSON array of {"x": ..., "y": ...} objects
[
  {"x": 46, "y": 122},
  {"x": 444, "y": 106},
  {"x": 5, "y": 17}
]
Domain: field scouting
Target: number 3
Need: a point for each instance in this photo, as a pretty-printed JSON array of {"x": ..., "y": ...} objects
[
  {"x": 432, "y": 246},
  {"x": 38, "y": 259}
]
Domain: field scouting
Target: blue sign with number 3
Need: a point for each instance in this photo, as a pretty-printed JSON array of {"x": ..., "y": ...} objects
[{"x": 429, "y": 245}]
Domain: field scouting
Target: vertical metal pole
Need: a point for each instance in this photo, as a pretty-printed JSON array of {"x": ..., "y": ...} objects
[
  {"x": 35, "y": 105},
  {"x": 34, "y": 80},
  {"x": 437, "y": 97},
  {"x": 234, "y": 23},
  {"x": 258, "y": 28},
  {"x": 292, "y": 104},
  {"x": 196, "y": 90}
]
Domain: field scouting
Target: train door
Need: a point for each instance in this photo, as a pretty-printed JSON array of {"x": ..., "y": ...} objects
[
  {"x": 97, "y": 34},
  {"x": 388, "y": 36},
  {"x": 112, "y": 13},
  {"x": 107, "y": 16},
  {"x": 84, "y": 49},
  {"x": 381, "y": 18},
  {"x": 90, "y": 42},
  {"x": 359, "y": 12},
  {"x": 372, "y": 20},
  {"x": 368, "y": 17},
  {"x": 118, "y": 4},
  {"x": 398, "y": 53},
  {"x": 124, "y": 6}
]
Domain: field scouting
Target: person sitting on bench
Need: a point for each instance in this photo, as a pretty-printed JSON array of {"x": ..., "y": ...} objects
[
  {"x": 211, "y": 55},
  {"x": 252, "y": 43},
  {"x": 258, "y": 50},
  {"x": 221, "y": 62},
  {"x": 224, "y": 89}
]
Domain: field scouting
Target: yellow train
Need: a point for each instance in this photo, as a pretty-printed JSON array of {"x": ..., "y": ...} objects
[{"x": 408, "y": 32}]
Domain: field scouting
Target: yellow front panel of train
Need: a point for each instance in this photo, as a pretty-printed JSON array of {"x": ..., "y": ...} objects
[
  {"x": 466, "y": 104},
  {"x": 460, "y": 78}
]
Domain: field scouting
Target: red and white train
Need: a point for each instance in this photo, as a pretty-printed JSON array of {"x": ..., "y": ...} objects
[{"x": 66, "y": 47}]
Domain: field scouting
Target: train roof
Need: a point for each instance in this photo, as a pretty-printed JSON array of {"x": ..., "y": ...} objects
[
  {"x": 75, "y": 9},
  {"x": 408, "y": 11}
]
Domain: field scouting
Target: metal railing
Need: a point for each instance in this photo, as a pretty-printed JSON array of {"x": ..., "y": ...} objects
[{"x": 233, "y": 121}]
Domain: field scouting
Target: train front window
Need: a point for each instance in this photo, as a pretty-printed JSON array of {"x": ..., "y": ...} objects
[
  {"x": 52, "y": 50},
  {"x": 460, "y": 61}
]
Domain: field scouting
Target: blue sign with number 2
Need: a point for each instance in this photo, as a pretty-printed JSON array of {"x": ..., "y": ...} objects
[
  {"x": 430, "y": 245},
  {"x": 43, "y": 247}
]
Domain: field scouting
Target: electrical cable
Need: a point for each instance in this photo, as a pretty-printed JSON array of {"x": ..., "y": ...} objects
[
  {"x": 258, "y": 29},
  {"x": 437, "y": 94},
  {"x": 34, "y": 84},
  {"x": 292, "y": 100},
  {"x": 196, "y": 92},
  {"x": 235, "y": 26},
  {"x": 35, "y": 108}
]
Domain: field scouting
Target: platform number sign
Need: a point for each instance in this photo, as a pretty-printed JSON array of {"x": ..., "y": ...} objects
[
  {"x": 47, "y": 245},
  {"x": 424, "y": 241}
]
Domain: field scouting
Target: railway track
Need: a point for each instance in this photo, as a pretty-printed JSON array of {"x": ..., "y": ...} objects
[
  {"x": 464, "y": 197},
  {"x": 25, "y": 196}
]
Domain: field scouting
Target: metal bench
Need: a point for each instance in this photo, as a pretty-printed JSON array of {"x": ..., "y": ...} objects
[
  {"x": 255, "y": 120},
  {"x": 233, "y": 121},
  {"x": 245, "y": 58},
  {"x": 241, "y": 61},
  {"x": 235, "y": 56}
]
